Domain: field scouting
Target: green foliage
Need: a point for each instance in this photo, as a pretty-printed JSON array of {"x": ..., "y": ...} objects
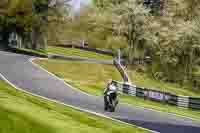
[
  {"x": 106, "y": 3},
  {"x": 116, "y": 42},
  {"x": 28, "y": 17},
  {"x": 132, "y": 20},
  {"x": 19, "y": 14},
  {"x": 172, "y": 40},
  {"x": 175, "y": 47},
  {"x": 96, "y": 30}
]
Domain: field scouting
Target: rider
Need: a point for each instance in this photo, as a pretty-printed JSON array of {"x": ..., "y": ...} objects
[{"x": 110, "y": 94}]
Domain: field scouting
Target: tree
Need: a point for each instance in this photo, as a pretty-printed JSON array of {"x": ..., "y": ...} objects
[
  {"x": 131, "y": 20},
  {"x": 172, "y": 39},
  {"x": 29, "y": 19},
  {"x": 106, "y": 3}
]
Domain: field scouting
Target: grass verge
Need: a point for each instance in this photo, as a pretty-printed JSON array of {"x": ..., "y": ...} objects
[
  {"x": 87, "y": 76},
  {"x": 30, "y": 52},
  {"x": 144, "y": 80},
  {"x": 78, "y": 52},
  {"x": 23, "y": 113}
]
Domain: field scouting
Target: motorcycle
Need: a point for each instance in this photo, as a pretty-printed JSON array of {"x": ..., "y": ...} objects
[{"x": 111, "y": 101}]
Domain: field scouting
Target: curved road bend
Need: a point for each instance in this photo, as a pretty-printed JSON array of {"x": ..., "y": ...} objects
[{"x": 22, "y": 73}]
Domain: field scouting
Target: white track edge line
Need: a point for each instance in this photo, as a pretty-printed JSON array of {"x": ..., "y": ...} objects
[{"x": 53, "y": 75}]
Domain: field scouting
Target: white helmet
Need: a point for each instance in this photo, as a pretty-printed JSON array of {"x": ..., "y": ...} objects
[{"x": 112, "y": 88}]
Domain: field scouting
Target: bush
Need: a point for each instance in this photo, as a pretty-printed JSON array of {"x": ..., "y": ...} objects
[
  {"x": 96, "y": 43},
  {"x": 114, "y": 43}
]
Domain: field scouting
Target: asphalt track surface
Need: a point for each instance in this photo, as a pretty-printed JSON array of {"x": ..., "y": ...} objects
[{"x": 21, "y": 72}]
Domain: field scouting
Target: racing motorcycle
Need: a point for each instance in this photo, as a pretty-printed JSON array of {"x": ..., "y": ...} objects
[{"x": 111, "y": 101}]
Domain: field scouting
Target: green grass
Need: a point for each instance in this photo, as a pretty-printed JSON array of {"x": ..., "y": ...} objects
[
  {"x": 30, "y": 51},
  {"x": 88, "y": 77},
  {"x": 195, "y": 114},
  {"x": 144, "y": 80},
  {"x": 23, "y": 113},
  {"x": 78, "y": 52}
]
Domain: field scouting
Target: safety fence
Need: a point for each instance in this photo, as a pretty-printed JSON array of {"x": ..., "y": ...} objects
[{"x": 155, "y": 95}]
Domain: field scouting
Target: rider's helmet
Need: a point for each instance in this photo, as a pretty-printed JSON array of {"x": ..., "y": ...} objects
[{"x": 112, "y": 87}]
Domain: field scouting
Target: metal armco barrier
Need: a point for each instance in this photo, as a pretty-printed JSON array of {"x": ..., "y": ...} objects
[
  {"x": 173, "y": 100},
  {"x": 183, "y": 101},
  {"x": 155, "y": 95},
  {"x": 140, "y": 92},
  {"x": 129, "y": 89},
  {"x": 194, "y": 103}
]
